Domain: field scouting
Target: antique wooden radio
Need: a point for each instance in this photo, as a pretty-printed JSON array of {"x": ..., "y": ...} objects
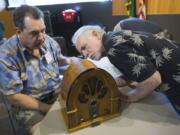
[{"x": 89, "y": 95}]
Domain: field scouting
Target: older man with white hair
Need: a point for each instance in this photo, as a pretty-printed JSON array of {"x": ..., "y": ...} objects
[{"x": 148, "y": 62}]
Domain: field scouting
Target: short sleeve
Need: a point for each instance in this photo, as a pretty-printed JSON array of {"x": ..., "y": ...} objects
[
  {"x": 10, "y": 82},
  {"x": 131, "y": 61}
]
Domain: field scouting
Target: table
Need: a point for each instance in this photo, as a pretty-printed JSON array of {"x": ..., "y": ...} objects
[{"x": 152, "y": 116}]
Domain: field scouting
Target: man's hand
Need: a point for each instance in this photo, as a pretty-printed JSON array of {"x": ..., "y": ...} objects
[
  {"x": 71, "y": 60},
  {"x": 67, "y": 60}
]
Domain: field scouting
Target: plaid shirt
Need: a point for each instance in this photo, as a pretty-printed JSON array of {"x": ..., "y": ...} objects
[{"x": 21, "y": 71}]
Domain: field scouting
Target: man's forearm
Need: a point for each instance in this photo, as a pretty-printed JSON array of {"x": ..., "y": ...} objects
[
  {"x": 28, "y": 102},
  {"x": 142, "y": 89}
]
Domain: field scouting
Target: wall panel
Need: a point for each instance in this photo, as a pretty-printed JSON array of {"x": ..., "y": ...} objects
[
  {"x": 6, "y": 18},
  {"x": 154, "y": 7}
]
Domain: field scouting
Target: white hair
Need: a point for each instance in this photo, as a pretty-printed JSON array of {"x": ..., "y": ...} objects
[{"x": 84, "y": 30}]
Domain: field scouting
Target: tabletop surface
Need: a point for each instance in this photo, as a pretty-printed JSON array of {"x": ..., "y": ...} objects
[{"x": 152, "y": 116}]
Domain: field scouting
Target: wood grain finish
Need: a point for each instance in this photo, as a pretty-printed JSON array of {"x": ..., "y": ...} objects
[
  {"x": 89, "y": 95},
  {"x": 6, "y": 18},
  {"x": 153, "y": 7}
]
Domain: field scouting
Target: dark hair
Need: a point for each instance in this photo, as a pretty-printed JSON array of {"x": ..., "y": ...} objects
[{"x": 25, "y": 10}]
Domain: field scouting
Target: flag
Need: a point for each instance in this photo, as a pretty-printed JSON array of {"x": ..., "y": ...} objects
[
  {"x": 141, "y": 12},
  {"x": 131, "y": 7}
]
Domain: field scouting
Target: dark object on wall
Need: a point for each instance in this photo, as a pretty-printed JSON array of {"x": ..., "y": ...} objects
[
  {"x": 65, "y": 23},
  {"x": 70, "y": 15},
  {"x": 62, "y": 43},
  {"x": 48, "y": 23},
  {"x": 89, "y": 96},
  {"x": 99, "y": 23}
]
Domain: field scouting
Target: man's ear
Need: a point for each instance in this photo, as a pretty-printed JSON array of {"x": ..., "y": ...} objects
[
  {"x": 96, "y": 34},
  {"x": 18, "y": 31}
]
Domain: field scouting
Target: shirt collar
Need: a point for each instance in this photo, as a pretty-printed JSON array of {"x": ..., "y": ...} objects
[{"x": 107, "y": 40}]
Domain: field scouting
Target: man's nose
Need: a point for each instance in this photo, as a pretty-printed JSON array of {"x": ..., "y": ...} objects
[
  {"x": 41, "y": 36},
  {"x": 85, "y": 53}
]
